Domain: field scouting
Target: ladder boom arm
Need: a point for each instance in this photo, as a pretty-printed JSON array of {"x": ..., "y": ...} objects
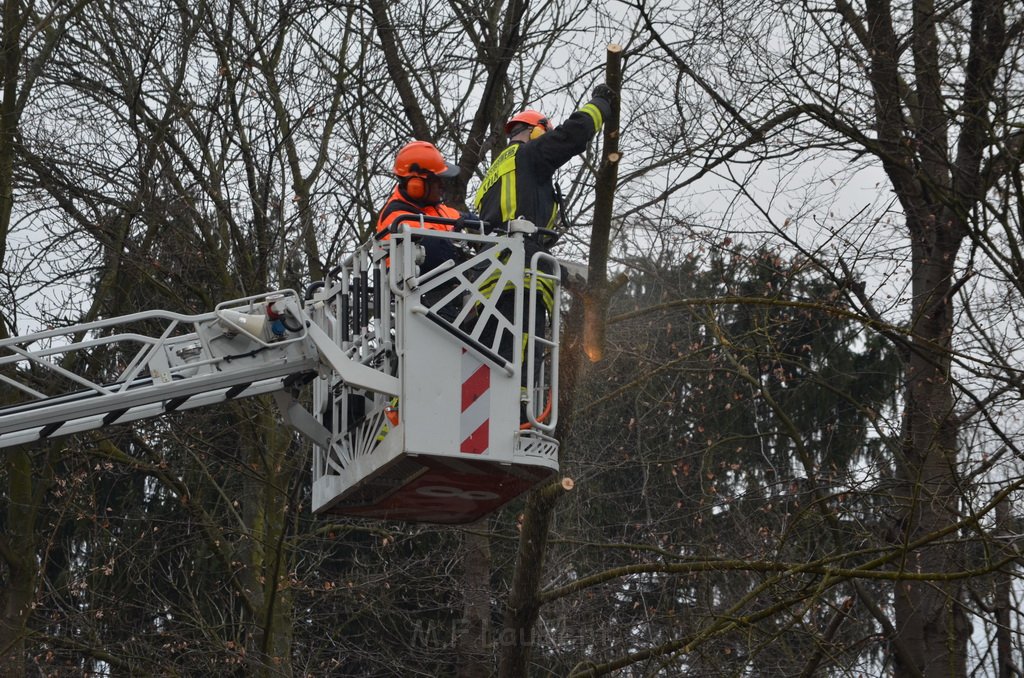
[{"x": 236, "y": 351}]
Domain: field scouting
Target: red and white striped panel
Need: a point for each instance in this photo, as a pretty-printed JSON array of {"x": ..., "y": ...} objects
[{"x": 475, "y": 420}]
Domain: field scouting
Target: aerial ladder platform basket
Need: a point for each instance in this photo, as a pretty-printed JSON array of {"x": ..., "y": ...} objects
[{"x": 428, "y": 402}]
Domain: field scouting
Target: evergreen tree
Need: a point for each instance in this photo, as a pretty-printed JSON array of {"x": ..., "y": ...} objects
[{"x": 732, "y": 425}]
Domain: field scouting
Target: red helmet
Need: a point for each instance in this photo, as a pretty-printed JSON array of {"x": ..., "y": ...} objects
[
  {"x": 421, "y": 157},
  {"x": 531, "y": 118}
]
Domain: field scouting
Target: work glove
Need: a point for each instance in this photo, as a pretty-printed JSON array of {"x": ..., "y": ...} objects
[{"x": 603, "y": 91}]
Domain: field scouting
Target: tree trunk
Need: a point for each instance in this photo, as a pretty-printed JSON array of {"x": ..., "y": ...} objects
[
  {"x": 930, "y": 615},
  {"x": 938, "y": 185},
  {"x": 523, "y": 606},
  {"x": 1002, "y": 603},
  {"x": 17, "y": 546},
  {"x": 266, "y": 550},
  {"x": 10, "y": 61},
  {"x": 473, "y": 648},
  {"x": 599, "y": 292},
  {"x": 584, "y": 324}
]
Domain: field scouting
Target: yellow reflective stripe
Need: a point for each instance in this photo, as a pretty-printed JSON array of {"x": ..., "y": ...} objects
[
  {"x": 546, "y": 289},
  {"x": 595, "y": 114},
  {"x": 554, "y": 216},
  {"x": 479, "y": 198},
  {"x": 508, "y": 192},
  {"x": 487, "y": 286},
  {"x": 547, "y": 295}
]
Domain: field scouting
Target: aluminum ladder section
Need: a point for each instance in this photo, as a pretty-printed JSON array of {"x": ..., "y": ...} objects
[{"x": 154, "y": 362}]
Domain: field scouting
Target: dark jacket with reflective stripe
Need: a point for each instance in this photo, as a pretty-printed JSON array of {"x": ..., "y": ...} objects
[{"x": 520, "y": 181}]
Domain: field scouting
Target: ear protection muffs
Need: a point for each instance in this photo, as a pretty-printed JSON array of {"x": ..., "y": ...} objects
[
  {"x": 416, "y": 187},
  {"x": 539, "y": 129}
]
